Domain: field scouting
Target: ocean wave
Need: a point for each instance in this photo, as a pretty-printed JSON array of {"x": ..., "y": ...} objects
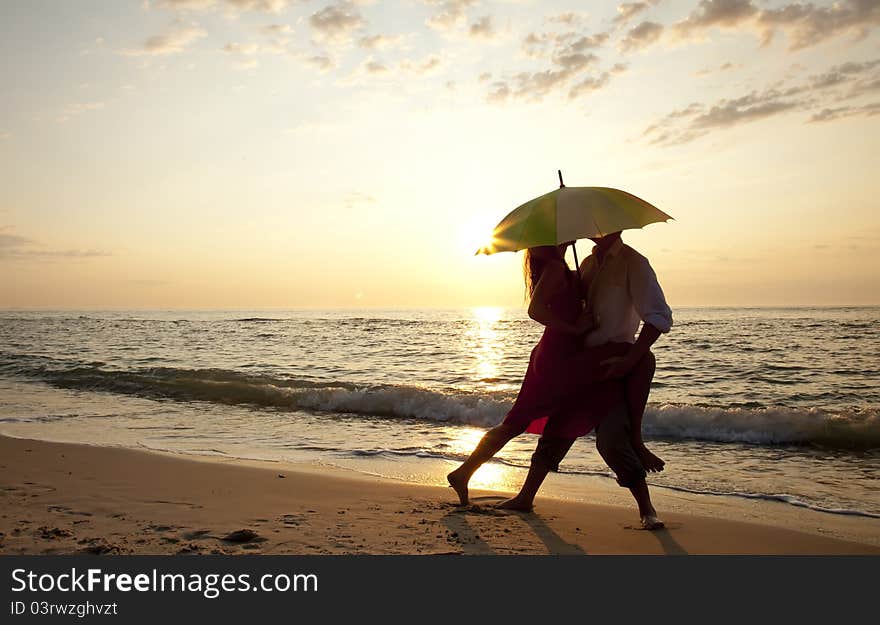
[{"x": 844, "y": 429}]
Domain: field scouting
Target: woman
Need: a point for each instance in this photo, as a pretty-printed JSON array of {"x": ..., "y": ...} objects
[{"x": 558, "y": 370}]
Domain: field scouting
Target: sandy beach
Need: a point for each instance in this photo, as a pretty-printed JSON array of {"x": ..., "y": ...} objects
[{"x": 66, "y": 498}]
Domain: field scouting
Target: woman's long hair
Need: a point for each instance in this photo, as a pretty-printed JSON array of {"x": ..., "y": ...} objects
[{"x": 533, "y": 267}]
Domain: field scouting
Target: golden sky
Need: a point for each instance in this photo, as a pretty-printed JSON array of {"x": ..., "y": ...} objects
[{"x": 266, "y": 153}]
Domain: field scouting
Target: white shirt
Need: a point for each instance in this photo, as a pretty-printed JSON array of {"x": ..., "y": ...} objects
[{"x": 622, "y": 292}]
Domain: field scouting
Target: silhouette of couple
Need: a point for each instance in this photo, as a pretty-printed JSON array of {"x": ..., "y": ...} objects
[{"x": 588, "y": 372}]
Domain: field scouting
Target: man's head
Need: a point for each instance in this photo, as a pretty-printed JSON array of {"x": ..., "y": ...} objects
[{"x": 605, "y": 241}]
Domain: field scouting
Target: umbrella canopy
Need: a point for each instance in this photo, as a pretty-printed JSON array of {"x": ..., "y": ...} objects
[{"x": 568, "y": 214}]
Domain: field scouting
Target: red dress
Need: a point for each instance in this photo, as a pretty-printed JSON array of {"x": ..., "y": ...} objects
[{"x": 560, "y": 391}]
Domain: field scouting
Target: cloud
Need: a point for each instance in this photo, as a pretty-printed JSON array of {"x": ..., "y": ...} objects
[
  {"x": 812, "y": 94},
  {"x": 482, "y": 28},
  {"x": 9, "y": 241},
  {"x": 569, "y": 19},
  {"x": 373, "y": 67},
  {"x": 77, "y": 108},
  {"x": 239, "y": 49},
  {"x": 848, "y": 73},
  {"x": 628, "y": 10},
  {"x": 321, "y": 62},
  {"x": 275, "y": 29},
  {"x": 380, "y": 42},
  {"x": 17, "y": 247},
  {"x": 536, "y": 85},
  {"x": 170, "y": 43},
  {"x": 449, "y": 15},
  {"x": 499, "y": 92},
  {"x": 427, "y": 65},
  {"x": 641, "y": 36},
  {"x": 715, "y": 13},
  {"x": 264, "y": 6},
  {"x": 743, "y": 109},
  {"x": 541, "y": 45},
  {"x": 724, "y": 67},
  {"x": 804, "y": 24},
  {"x": 186, "y": 5},
  {"x": 569, "y": 54},
  {"x": 337, "y": 22},
  {"x": 831, "y": 114},
  {"x": 590, "y": 84}
]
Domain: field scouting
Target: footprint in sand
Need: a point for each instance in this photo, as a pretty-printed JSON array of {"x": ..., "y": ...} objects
[
  {"x": 243, "y": 536},
  {"x": 291, "y": 520},
  {"x": 197, "y": 534}
]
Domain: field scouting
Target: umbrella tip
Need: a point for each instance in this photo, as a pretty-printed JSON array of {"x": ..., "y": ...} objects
[{"x": 561, "y": 184}]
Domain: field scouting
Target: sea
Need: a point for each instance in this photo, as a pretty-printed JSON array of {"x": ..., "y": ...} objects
[{"x": 778, "y": 404}]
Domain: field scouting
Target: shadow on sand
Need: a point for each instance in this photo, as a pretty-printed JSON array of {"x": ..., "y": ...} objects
[{"x": 471, "y": 543}]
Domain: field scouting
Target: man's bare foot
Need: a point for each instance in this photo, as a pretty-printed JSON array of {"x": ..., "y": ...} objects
[
  {"x": 651, "y": 522},
  {"x": 651, "y": 462},
  {"x": 460, "y": 485},
  {"x": 517, "y": 504}
]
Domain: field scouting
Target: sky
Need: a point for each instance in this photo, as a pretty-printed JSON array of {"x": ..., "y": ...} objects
[{"x": 307, "y": 154}]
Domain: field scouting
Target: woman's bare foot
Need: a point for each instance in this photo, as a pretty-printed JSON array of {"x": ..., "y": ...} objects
[
  {"x": 651, "y": 522},
  {"x": 459, "y": 484},
  {"x": 651, "y": 462},
  {"x": 520, "y": 505}
]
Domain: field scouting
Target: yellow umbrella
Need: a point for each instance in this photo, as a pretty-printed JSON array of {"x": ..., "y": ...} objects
[{"x": 568, "y": 214}]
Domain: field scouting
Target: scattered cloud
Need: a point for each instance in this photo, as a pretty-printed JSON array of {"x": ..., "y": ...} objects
[
  {"x": 832, "y": 114},
  {"x": 482, "y": 28},
  {"x": 239, "y": 49},
  {"x": 275, "y": 29},
  {"x": 424, "y": 66},
  {"x": 812, "y": 94},
  {"x": 712, "y": 14},
  {"x": 450, "y": 14},
  {"x": 553, "y": 44},
  {"x": 628, "y": 10},
  {"x": 77, "y": 108},
  {"x": 641, "y": 36},
  {"x": 569, "y": 53},
  {"x": 17, "y": 247},
  {"x": 499, "y": 92},
  {"x": 321, "y": 62},
  {"x": 804, "y": 24},
  {"x": 380, "y": 42},
  {"x": 590, "y": 84},
  {"x": 569, "y": 19},
  {"x": 337, "y": 22},
  {"x": 172, "y": 42},
  {"x": 724, "y": 67},
  {"x": 234, "y": 6}
]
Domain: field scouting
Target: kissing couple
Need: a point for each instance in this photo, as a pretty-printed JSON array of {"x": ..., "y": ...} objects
[{"x": 588, "y": 371}]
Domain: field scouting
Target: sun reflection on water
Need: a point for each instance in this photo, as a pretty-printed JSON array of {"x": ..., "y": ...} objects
[
  {"x": 484, "y": 343},
  {"x": 490, "y": 476}
]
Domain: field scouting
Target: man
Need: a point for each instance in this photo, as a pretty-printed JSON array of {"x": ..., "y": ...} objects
[{"x": 621, "y": 290}]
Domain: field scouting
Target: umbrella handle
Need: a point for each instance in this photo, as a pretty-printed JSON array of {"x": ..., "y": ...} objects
[{"x": 577, "y": 266}]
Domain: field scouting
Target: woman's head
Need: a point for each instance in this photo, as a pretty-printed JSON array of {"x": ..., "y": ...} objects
[{"x": 534, "y": 261}]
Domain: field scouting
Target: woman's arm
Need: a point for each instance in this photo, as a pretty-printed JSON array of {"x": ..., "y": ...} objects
[{"x": 550, "y": 282}]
